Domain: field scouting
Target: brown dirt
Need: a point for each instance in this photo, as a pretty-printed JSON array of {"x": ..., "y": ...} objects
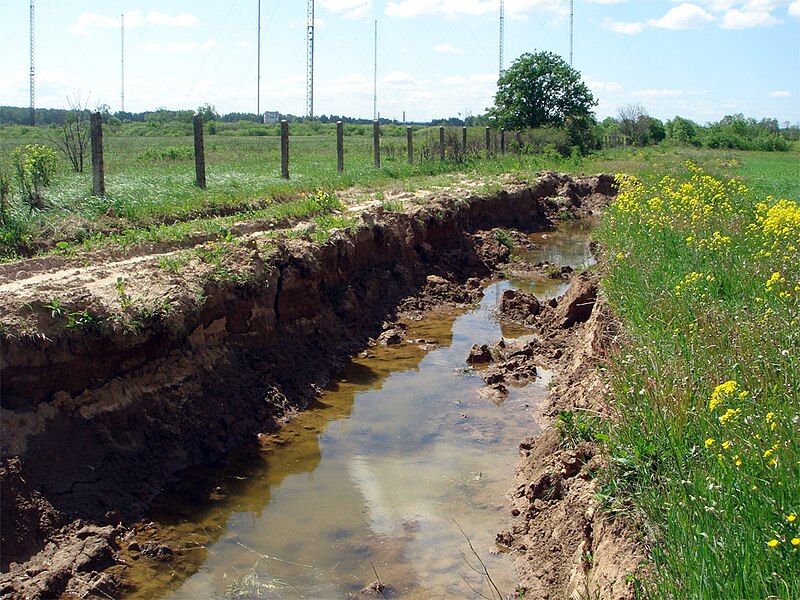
[
  {"x": 562, "y": 544},
  {"x": 120, "y": 370}
]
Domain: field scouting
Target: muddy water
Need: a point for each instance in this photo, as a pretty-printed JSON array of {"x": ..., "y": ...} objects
[{"x": 396, "y": 470}]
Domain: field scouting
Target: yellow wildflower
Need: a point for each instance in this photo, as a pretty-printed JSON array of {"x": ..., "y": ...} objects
[
  {"x": 791, "y": 518},
  {"x": 721, "y": 392},
  {"x": 772, "y": 543},
  {"x": 710, "y": 442}
]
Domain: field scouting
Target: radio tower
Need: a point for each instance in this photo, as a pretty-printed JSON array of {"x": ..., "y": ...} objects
[
  {"x": 310, "y": 61},
  {"x": 502, "y": 32},
  {"x": 571, "y": 22},
  {"x": 122, "y": 63},
  {"x": 33, "y": 71}
]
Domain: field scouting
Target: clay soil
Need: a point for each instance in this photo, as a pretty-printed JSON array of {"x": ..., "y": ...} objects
[{"x": 121, "y": 369}]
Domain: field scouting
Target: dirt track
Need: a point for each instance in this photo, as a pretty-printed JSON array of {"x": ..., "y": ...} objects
[{"x": 119, "y": 371}]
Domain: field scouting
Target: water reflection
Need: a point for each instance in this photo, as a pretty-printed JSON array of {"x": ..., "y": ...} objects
[{"x": 377, "y": 476}]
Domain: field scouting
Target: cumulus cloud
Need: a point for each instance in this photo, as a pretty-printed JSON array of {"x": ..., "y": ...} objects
[
  {"x": 684, "y": 16},
  {"x": 603, "y": 86},
  {"x": 447, "y": 49},
  {"x": 747, "y": 19},
  {"x": 514, "y": 8},
  {"x": 629, "y": 28},
  {"x": 180, "y": 20},
  {"x": 350, "y": 9},
  {"x": 659, "y": 93},
  {"x": 87, "y": 22},
  {"x": 780, "y": 94},
  {"x": 794, "y": 8},
  {"x": 180, "y": 46}
]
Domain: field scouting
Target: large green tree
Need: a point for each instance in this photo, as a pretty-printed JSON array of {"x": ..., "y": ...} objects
[{"x": 541, "y": 89}]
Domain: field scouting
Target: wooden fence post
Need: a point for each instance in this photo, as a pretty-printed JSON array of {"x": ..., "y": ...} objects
[
  {"x": 488, "y": 141},
  {"x": 410, "y": 144},
  {"x": 199, "y": 152},
  {"x": 502, "y": 141},
  {"x": 285, "y": 149},
  {"x": 98, "y": 169},
  {"x": 464, "y": 139},
  {"x": 376, "y": 143},
  {"x": 441, "y": 142},
  {"x": 339, "y": 146}
]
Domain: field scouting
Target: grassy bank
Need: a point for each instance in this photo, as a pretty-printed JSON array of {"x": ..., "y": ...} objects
[{"x": 704, "y": 272}]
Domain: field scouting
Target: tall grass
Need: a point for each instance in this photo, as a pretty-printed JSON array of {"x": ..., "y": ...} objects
[{"x": 705, "y": 275}]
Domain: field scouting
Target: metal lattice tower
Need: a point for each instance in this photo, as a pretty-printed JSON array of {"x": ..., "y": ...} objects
[
  {"x": 122, "y": 63},
  {"x": 258, "y": 76},
  {"x": 310, "y": 61},
  {"x": 502, "y": 32},
  {"x": 571, "y": 23},
  {"x": 33, "y": 68}
]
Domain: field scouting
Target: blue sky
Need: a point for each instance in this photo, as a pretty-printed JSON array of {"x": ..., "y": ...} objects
[{"x": 701, "y": 60}]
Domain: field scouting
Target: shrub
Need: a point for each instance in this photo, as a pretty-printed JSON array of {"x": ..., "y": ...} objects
[{"x": 34, "y": 169}]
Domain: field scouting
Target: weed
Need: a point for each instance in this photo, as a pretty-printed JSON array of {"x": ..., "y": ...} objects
[
  {"x": 504, "y": 238},
  {"x": 125, "y": 299},
  {"x": 393, "y": 205},
  {"x": 577, "y": 427},
  {"x": 174, "y": 262},
  {"x": 56, "y": 308}
]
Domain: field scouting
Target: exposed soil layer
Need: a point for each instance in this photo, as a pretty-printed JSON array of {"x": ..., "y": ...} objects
[
  {"x": 117, "y": 372},
  {"x": 561, "y": 544}
]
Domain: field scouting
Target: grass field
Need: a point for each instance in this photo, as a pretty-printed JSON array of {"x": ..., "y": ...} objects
[
  {"x": 704, "y": 273},
  {"x": 151, "y": 194}
]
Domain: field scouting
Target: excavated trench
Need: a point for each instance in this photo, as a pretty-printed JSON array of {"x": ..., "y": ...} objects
[{"x": 97, "y": 421}]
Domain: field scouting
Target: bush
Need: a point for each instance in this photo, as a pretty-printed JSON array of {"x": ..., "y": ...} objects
[{"x": 34, "y": 169}]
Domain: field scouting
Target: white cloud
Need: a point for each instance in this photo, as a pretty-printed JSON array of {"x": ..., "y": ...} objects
[
  {"x": 180, "y": 20},
  {"x": 606, "y": 1},
  {"x": 794, "y": 8},
  {"x": 738, "y": 19},
  {"x": 684, "y": 16},
  {"x": 655, "y": 93},
  {"x": 180, "y": 46},
  {"x": 519, "y": 9},
  {"x": 447, "y": 49},
  {"x": 603, "y": 86},
  {"x": 351, "y": 9},
  {"x": 629, "y": 28},
  {"x": 88, "y": 21},
  {"x": 780, "y": 94}
]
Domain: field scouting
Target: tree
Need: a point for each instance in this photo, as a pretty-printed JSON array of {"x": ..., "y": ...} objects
[
  {"x": 72, "y": 136},
  {"x": 540, "y": 90},
  {"x": 633, "y": 122}
]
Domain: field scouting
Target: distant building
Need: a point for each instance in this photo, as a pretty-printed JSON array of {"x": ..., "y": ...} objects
[{"x": 271, "y": 117}]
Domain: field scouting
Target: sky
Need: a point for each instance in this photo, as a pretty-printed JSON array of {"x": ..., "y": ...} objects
[{"x": 701, "y": 60}]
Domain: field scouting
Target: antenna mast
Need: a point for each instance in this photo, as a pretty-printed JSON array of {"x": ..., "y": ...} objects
[
  {"x": 258, "y": 78},
  {"x": 375, "y": 78},
  {"x": 310, "y": 61},
  {"x": 502, "y": 32},
  {"x": 571, "y": 22},
  {"x": 33, "y": 70},
  {"x": 122, "y": 53}
]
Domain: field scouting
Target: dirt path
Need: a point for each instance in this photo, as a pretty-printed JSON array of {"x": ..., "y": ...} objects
[{"x": 118, "y": 371}]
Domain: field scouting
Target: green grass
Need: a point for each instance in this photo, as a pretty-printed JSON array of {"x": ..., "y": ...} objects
[
  {"x": 706, "y": 384},
  {"x": 151, "y": 196}
]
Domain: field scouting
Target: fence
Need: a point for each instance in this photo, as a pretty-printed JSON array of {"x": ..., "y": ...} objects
[{"x": 449, "y": 145}]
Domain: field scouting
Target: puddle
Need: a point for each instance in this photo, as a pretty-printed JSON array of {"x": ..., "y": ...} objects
[
  {"x": 376, "y": 480},
  {"x": 566, "y": 246}
]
